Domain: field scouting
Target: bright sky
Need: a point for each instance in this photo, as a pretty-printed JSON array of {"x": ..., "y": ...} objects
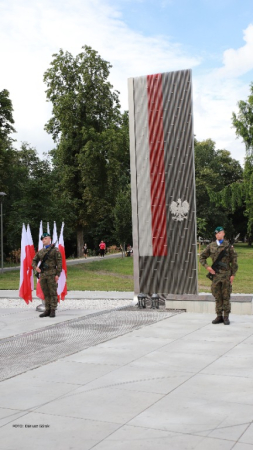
[{"x": 138, "y": 37}]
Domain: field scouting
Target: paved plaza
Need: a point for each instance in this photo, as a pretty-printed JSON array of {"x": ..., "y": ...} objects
[{"x": 132, "y": 380}]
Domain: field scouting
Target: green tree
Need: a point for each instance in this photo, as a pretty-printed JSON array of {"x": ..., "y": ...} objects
[
  {"x": 243, "y": 124},
  {"x": 29, "y": 197},
  {"x": 85, "y": 125},
  {"x": 6, "y": 130},
  {"x": 122, "y": 217},
  {"x": 214, "y": 171}
]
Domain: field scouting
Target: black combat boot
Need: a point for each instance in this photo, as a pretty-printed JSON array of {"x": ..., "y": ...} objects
[
  {"x": 52, "y": 313},
  {"x": 45, "y": 314},
  {"x": 218, "y": 319},
  {"x": 226, "y": 320}
]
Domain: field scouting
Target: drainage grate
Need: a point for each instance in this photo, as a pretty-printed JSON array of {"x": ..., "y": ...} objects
[{"x": 34, "y": 349}]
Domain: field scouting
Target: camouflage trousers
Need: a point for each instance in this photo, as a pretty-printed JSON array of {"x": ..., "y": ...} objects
[
  {"x": 221, "y": 289},
  {"x": 49, "y": 288}
]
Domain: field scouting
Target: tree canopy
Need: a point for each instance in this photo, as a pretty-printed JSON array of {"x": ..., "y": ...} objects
[
  {"x": 89, "y": 132},
  {"x": 214, "y": 171}
]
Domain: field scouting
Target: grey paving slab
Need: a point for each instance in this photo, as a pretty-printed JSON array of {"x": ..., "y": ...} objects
[
  {"x": 187, "y": 362},
  {"x": 220, "y": 333},
  {"x": 147, "y": 343},
  {"x": 138, "y": 438},
  {"x": 182, "y": 383},
  {"x": 202, "y": 404},
  {"x": 112, "y": 356},
  {"x": 240, "y": 446},
  {"x": 195, "y": 347},
  {"x": 138, "y": 379},
  {"x": 23, "y": 322},
  {"x": 233, "y": 433},
  {"x": 247, "y": 436},
  {"x": 24, "y": 393},
  {"x": 105, "y": 404},
  {"x": 8, "y": 415},
  {"x": 192, "y": 415},
  {"x": 41, "y": 431},
  {"x": 70, "y": 372},
  {"x": 237, "y": 362}
]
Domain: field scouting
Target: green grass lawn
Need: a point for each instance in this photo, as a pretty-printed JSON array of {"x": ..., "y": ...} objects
[
  {"x": 114, "y": 274},
  {"x": 117, "y": 275}
]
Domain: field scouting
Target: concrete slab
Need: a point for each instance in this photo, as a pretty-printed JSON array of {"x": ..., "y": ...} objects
[
  {"x": 181, "y": 383},
  {"x": 13, "y": 324},
  {"x": 8, "y": 415},
  {"x": 205, "y": 303},
  {"x": 247, "y": 436},
  {"x": 240, "y": 446},
  {"x": 105, "y": 404},
  {"x": 70, "y": 372},
  {"x": 138, "y": 379},
  {"x": 24, "y": 393},
  {"x": 140, "y": 438},
  {"x": 42, "y": 431}
]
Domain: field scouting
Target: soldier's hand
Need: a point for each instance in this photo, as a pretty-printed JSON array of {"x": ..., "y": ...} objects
[
  {"x": 56, "y": 278},
  {"x": 210, "y": 270},
  {"x": 232, "y": 279},
  {"x": 38, "y": 269}
]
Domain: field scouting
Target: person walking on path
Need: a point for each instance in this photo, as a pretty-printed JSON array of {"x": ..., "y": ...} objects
[
  {"x": 222, "y": 273},
  {"x": 49, "y": 271},
  {"x": 85, "y": 250},
  {"x": 102, "y": 247}
]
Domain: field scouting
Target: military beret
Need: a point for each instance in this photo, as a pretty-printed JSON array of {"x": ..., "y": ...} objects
[
  {"x": 44, "y": 235},
  {"x": 218, "y": 229}
]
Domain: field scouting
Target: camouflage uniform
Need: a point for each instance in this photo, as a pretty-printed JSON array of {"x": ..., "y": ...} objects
[
  {"x": 52, "y": 267},
  {"x": 221, "y": 287}
]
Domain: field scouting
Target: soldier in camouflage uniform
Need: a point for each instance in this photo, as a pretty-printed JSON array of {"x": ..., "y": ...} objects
[
  {"x": 49, "y": 272},
  {"x": 223, "y": 277}
]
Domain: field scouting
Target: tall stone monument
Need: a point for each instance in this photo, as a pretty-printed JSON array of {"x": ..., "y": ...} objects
[{"x": 163, "y": 183}]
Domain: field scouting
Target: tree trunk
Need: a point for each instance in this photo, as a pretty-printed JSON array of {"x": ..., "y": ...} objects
[{"x": 79, "y": 241}]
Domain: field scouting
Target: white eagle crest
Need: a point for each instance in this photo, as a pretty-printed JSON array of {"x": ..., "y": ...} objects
[{"x": 179, "y": 210}]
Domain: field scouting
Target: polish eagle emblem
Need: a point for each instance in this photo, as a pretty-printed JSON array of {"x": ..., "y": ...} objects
[{"x": 179, "y": 210}]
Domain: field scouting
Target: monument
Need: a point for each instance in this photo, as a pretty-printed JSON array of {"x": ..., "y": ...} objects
[{"x": 163, "y": 184}]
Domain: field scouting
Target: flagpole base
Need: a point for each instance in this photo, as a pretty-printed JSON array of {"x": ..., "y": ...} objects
[{"x": 41, "y": 307}]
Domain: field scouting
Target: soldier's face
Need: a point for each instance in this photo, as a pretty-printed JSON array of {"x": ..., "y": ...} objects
[
  {"x": 219, "y": 236},
  {"x": 46, "y": 240}
]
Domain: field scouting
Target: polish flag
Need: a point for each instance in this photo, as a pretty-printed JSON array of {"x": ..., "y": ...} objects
[
  {"x": 62, "y": 285},
  {"x": 25, "y": 289},
  {"x": 32, "y": 253},
  {"x": 55, "y": 238},
  {"x": 39, "y": 292}
]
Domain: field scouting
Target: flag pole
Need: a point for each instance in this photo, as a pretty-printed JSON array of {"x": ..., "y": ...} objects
[{"x": 42, "y": 306}]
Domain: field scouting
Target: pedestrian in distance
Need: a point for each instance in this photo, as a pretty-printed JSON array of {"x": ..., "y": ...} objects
[
  {"x": 48, "y": 272},
  {"x": 102, "y": 248},
  {"x": 222, "y": 273},
  {"x": 85, "y": 251}
]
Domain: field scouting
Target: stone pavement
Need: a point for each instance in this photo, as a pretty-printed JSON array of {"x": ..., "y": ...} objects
[{"x": 178, "y": 383}]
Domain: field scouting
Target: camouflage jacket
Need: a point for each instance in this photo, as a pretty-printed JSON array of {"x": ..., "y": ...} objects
[
  {"x": 229, "y": 260},
  {"x": 52, "y": 265}
]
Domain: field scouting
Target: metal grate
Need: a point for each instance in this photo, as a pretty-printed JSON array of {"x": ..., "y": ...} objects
[{"x": 34, "y": 349}]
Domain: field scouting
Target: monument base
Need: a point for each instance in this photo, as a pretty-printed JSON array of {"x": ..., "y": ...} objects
[{"x": 205, "y": 303}]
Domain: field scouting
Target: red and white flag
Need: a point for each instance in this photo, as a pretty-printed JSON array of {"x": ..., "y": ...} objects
[
  {"x": 39, "y": 292},
  {"x": 55, "y": 238},
  {"x": 32, "y": 253},
  {"x": 25, "y": 288},
  {"x": 62, "y": 284}
]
